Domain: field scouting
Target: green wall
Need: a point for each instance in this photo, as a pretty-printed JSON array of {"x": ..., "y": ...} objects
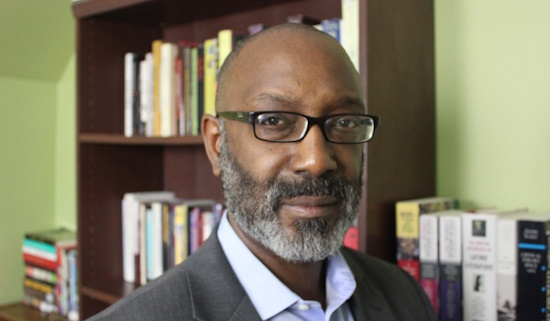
[
  {"x": 27, "y": 139},
  {"x": 493, "y": 102},
  {"x": 493, "y": 137},
  {"x": 37, "y": 128}
]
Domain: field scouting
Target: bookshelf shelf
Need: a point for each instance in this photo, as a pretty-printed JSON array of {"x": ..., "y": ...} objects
[
  {"x": 123, "y": 140},
  {"x": 110, "y": 292},
  {"x": 396, "y": 68}
]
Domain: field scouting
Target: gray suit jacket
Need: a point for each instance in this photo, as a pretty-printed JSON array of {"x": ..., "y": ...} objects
[{"x": 204, "y": 287}]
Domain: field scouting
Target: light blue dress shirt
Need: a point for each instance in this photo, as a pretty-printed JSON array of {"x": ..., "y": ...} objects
[{"x": 276, "y": 302}]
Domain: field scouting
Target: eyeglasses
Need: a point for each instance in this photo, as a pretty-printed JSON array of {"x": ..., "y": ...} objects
[{"x": 286, "y": 127}]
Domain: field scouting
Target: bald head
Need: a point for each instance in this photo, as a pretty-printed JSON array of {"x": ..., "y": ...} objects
[{"x": 288, "y": 46}]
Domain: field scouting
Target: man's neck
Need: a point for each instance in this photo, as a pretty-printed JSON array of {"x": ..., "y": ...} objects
[{"x": 307, "y": 280}]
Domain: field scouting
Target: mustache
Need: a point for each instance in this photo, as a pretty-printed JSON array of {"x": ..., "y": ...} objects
[{"x": 325, "y": 185}]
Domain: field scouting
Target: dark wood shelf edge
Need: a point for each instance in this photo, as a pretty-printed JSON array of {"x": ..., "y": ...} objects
[
  {"x": 99, "y": 295},
  {"x": 19, "y": 311},
  {"x": 123, "y": 140},
  {"x": 88, "y": 8}
]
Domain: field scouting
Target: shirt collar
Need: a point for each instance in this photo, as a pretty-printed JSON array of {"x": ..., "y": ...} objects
[{"x": 267, "y": 293}]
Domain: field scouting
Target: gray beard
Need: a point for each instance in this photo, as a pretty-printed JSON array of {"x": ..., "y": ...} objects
[{"x": 253, "y": 205}]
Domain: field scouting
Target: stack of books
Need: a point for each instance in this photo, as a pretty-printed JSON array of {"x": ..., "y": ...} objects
[
  {"x": 485, "y": 264},
  {"x": 160, "y": 230},
  {"x": 50, "y": 259}
]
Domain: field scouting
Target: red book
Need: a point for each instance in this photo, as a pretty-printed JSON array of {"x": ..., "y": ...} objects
[{"x": 40, "y": 262}]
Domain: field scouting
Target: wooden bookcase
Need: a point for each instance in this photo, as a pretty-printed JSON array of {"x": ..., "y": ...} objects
[{"x": 397, "y": 70}]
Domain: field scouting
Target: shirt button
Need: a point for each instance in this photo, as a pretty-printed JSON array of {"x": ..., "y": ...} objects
[{"x": 303, "y": 307}]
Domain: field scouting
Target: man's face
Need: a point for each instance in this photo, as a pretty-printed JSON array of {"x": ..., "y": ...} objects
[{"x": 296, "y": 199}]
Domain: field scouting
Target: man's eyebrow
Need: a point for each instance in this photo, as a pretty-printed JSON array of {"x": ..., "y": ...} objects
[{"x": 273, "y": 98}]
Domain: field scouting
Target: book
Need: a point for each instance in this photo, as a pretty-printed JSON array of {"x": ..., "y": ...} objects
[
  {"x": 532, "y": 259},
  {"x": 450, "y": 265},
  {"x": 200, "y": 87},
  {"x": 429, "y": 256},
  {"x": 407, "y": 215},
  {"x": 332, "y": 27},
  {"x": 40, "y": 274},
  {"x": 225, "y": 45},
  {"x": 479, "y": 266},
  {"x": 194, "y": 72},
  {"x": 131, "y": 203},
  {"x": 210, "y": 73},
  {"x": 181, "y": 233},
  {"x": 146, "y": 94},
  {"x": 507, "y": 267},
  {"x": 131, "y": 98},
  {"x": 349, "y": 30},
  {"x": 57, "y": 237},
  {"x": 168, "y": 53},
  {"x": 155, "y": 49}
]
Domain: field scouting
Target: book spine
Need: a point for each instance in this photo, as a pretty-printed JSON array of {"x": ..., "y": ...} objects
[
  {"x": 450, "y": 268},
  {"x": 128, "y": 238},
  {"x": 129, "y": 81},
  {"x": 39, "y": 262},
  {"x": 407, "y": 223},
  {"x": 225, "y": 43},
  {"x": 349, "y": 30},
  {"x": 194, "y": 92},
  {"x": 167, "y": 74},
  {"x": 40, "y": 274},
  {"x": 200, "y": 86},
  {"x": 532, "y": 264},
  {"x": 44, "y": 247},
  {"x": 332, "y": 27},
  {"x": 156, "y": 45},
  {"x": 181, "y": 244},
  {"x": 507, "y": 268},
  {"x": 147, "y": 93},
  {"x": 428, "y": 257},
  {"x": 210, "y": 71},
  {"x": 479, "y": 266},
  {"x": 46, "y": 255}
]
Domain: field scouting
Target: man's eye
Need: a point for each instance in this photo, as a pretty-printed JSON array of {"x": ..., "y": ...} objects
[
  {"x": 271, "y": 120},
  {"x": 345, "y": 122}
]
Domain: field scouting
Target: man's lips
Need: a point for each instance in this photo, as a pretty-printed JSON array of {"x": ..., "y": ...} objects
[{"x": 311, "y": 206}]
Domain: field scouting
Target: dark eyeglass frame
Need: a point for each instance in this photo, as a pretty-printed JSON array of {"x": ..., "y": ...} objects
[{"x": 250, "y": 117}]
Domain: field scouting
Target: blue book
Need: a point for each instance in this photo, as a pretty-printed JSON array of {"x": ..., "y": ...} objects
[{"x": 332, "y": 27}]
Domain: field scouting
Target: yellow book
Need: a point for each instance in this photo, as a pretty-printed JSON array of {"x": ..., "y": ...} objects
[
  {"x": 210, "y": 71},
  {"x": 225, "y": 43},
  {"x": 156, "y": 86},
  {"x": 181, "y": 235},
  {"x": 407, "y": 216}
]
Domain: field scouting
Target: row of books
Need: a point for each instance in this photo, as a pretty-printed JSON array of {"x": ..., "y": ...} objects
[
  {"x": 483, "y": 264},
  {"x": 160, "y": 230},
  {"x": 50, "y": 283},
  {"x": 167, "y": 90}
]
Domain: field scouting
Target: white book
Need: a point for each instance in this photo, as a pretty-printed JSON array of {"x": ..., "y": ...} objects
[
  {"x": 146, "y": 97},
  {"x": 129, "y": 84},
  {"x": 168, "y": 53},
  {"x": 507, "y": 267},
  {"x": 429, "y": 256},
  {"x": 479, "y": 273},
  {"x": 155, "y": 242},
  {"x": 349, "y": 30},
  {"x": 131, "y": 228}
]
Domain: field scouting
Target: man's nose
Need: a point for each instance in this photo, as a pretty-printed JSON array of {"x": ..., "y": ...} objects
[{"x": 314, "y": 154}]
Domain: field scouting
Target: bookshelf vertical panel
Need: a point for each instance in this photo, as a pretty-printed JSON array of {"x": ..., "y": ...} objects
[
  {"x": 187, "y": 171},
  {"x": 400, "y": 88},
  {"x": 106, "y": 173},
  {"x": 101, "y": 49},
  {"x": 89, "y": 307}
]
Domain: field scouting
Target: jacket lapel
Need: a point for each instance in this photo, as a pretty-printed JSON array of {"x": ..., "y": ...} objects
[{"x": 215, "y": 291}]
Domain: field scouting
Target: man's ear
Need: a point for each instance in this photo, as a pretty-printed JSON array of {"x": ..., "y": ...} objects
[{"x": 211, "y": 134}]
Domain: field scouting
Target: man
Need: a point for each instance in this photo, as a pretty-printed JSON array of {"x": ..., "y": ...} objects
[{"x": 287, "y": 143}]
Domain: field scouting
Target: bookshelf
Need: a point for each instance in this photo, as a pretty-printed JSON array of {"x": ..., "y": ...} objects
[{"x": 397, "y": 70}]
